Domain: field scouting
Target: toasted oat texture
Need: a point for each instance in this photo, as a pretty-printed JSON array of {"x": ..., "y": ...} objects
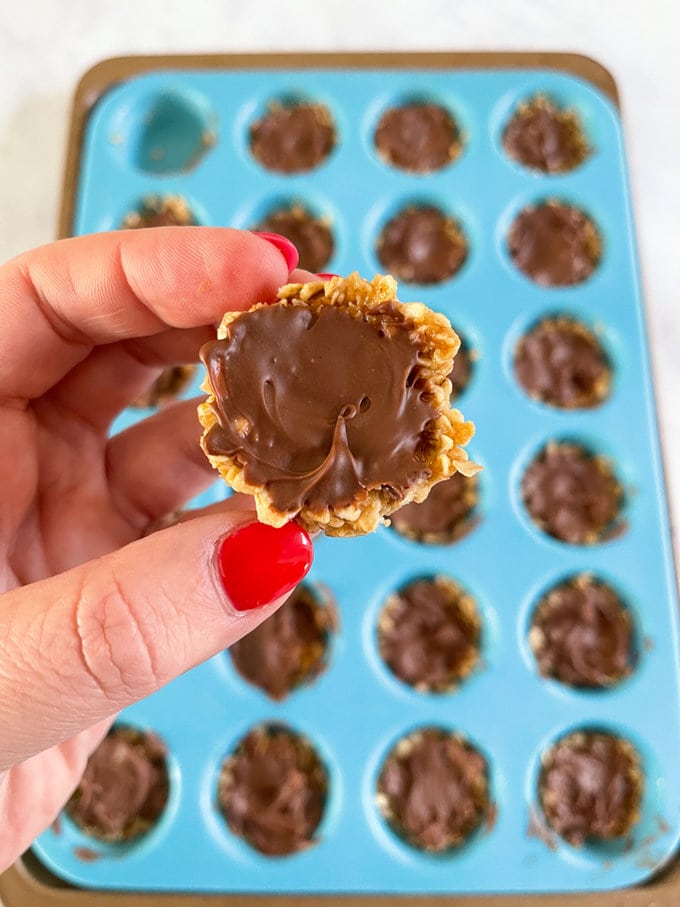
[{"x": 443, "y": 454}]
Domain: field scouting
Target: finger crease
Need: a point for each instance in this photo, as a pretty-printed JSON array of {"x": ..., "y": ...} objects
[{"x": 62, "y": 327}]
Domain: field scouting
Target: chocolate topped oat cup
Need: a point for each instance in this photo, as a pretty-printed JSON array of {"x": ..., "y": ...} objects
[
  {"x": 433, "y": 789},
  {"x": 572, "y": 494},
  {"x": 582, "y": 635},
  {"x": 590, "y": 787},
  {"x": 273, "y": 790},
  {"x": 124, "y": 788},
  {"x": 545, "y": 137},
  {"x": 331, "y": 405},
  {"x": 419, "y": 137},
  {"x": 421, "y": 244},
  {"x": 446, "y": 514},
  {"x": 290, "y": 648},
  {"x": 167, "y": 387},
  {"x": 293, "y": 137},
  {"x": 561, "y": 362},
  {"x": 160, "y": 211},
  {"x": 311, "y": 236},
  {"x": 555, "y": 244},
  {"x": 429, "y": 634}
]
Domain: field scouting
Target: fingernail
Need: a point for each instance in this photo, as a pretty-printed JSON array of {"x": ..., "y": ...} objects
[
  {"x": 285, "y": 247},
  {"x": 327, "y": 276},
  {"x": 259, "y": 563}
]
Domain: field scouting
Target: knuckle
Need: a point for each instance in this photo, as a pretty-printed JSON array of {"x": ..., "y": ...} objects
[{"x": 116, "y": 646}]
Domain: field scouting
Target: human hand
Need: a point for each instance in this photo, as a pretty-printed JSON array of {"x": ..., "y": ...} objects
[{"x": 94, "y": 615}]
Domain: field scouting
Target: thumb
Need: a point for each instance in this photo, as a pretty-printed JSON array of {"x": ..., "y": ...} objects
[{"x": 82, "y": 645}]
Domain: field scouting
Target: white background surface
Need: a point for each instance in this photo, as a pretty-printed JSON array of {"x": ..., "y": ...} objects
[{"x": 45, "y": 45}]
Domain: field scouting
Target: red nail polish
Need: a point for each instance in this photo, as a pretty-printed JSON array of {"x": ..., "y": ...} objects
[
  {"x": 285, "y": 247},
  {"x": 326, "y": 276},
  {"x": 259, "y": 563}
]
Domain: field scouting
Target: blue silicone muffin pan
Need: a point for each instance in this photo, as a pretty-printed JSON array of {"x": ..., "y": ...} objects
[{"x": 185, "y": 132}]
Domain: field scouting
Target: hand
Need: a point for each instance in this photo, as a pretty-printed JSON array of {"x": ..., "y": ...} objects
[{"x": 94, "y": 615}]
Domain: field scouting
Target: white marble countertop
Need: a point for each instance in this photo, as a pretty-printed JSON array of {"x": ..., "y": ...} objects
[{"x": 46, "y": 45}]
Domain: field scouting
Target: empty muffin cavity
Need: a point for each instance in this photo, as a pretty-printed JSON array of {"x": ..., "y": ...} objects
[
  {"x": 590, "y": 787},
  {"x": 561, "y": 362},
  {"x": 290, "y": 649},
  {"x": 546, "y": 137},
  {"x": 417, "y": 136},
  {"x": 167, "y": 387},
  {"x": 582, "y": 635},
  {"x": 421, "y": 244},
  {"x": 293, "y": 136},
  {"x": 433, "y": 789},
  {"x": 173, "y": 133},
  {"x": 573, "y": 494},
  {"x": 160, "y": 211},
  {"x": 447, "y": 514},
  {"x": 124, "y": 789},
  {"x": 429, "y": 634},
  {"x": 273, "y": 790},
  {"x": 312, "y": 236},
  {"x": 555, "y": 244}
]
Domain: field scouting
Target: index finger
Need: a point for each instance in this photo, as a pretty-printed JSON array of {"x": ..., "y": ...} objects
[{"x": 60, "y": 300}]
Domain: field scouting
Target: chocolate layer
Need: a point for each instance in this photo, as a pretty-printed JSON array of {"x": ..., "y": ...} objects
[
  {"x": 161, "y": 211},
  {"x": 167, "y": 387},
  {"x": 543, "y": 137},
  {"x": 428, "y": 634},
  {"x": 310, "y": 235},
  {"x": 289, "y": 648},
  {"x": 293, "y": 139},
  {"x": 124, "y": 788},
  {"x": 273, "y": 791},
  {"x": 581, "y": 634},
  {"x": 422, "y": 245},
  {"x": 444, "y": 515},
  {"x": 306, "y": 426},
  {"x": 590, "y": 787},
  {"x": 433, "y": 789},
  {"x": 560, "y": 362},
  {"x": 417, "y": 137},
  {"x": 554, "y": 244},
  {"x": 571, "y": 494}
]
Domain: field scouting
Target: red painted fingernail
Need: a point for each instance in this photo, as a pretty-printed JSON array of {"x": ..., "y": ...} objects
[
  {"x": 327, "y": 276},
  {"x": 258, "y": 563},
  {"x": 285, "y": 247}
]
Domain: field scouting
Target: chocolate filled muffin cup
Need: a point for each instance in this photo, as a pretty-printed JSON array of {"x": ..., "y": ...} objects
[
  {"x": 293, "y": 137},
  {"x": 561, "y": 363},
  {"x": 124, "y": 789},
  {"x": 590, "y": 787},
  {"x": 422, "y": 244},
  {"x": 290, "y": 648},
  {"x": 582, "y": 635},
  {"x": 463, "y": 369},
  {"x": 331, "y": 405},
  {"x": 419, "y": 137},
  {"x": 545, "y": 137},
  {"x": 554, "y": 244},
  {"x": 311, "y": 236},
  {"x": 572, "y": 494},
  {"x": 429, "y": 634},
  {"x": 445, "y": 516},
  {"x": 273, "y": 790},
  {"x": 433, "y": 790},
  {"x": 167, "y": 387},
  {"x": 160, "y": 211}
]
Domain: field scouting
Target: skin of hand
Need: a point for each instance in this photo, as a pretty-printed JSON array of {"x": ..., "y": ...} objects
[{"x": 96, "y": 610}]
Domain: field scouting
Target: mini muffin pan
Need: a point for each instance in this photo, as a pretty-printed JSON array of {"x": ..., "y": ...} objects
[{"x": 183, "y": 130}]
